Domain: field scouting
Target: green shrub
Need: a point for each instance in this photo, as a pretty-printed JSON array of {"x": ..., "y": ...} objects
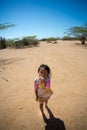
[
  {"x": 25, "y": 43},
  {"x": 2, "y": 43},
  {"x": 66, "y": 38}
]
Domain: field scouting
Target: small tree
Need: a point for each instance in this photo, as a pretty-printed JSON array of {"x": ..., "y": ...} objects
[{"x": 79, "y": 32}]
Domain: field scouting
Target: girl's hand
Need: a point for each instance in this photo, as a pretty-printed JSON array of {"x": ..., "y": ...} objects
[
  {"x": 36, "y": 98},
  {"x": 41, "y": 78}
]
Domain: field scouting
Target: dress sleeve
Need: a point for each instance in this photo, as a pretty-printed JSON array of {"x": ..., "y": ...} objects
[
  {"x": 35, "y": 85},
  {"x": 48, "y": 83}
]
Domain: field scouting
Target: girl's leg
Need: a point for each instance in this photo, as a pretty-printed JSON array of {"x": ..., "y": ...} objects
[
  {"x": 46, "y": 102},
  {"x": 41, "y": 107}
]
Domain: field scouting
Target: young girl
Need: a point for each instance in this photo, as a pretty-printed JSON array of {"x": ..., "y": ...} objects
[{"x": 42, "y": 86}]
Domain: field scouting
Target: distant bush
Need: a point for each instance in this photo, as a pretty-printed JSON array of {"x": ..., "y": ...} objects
[
  {"x": 18, "y": 44},
  {"x": 43, "y": 39},
  {"x": 15, "y": 43},
  {"x": 25, "y": 42},
  {"x": 66, "y": 38},
  {"x": 9, "y": 43},
  {"x": 51, "y": 39},
  {"x": 2, "y": 43}
]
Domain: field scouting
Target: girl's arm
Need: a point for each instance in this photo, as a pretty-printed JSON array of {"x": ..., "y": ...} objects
[
  {"x": 36, "y": 93},
  {"x": 48, "y": 83},
  {"x": 36, "y": 89}
]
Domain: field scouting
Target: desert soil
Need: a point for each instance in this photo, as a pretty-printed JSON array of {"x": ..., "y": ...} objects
[{"x": 18, "y": 69}]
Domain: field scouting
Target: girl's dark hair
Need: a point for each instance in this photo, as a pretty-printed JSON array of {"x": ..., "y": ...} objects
[{"x": 46, "y": 67}]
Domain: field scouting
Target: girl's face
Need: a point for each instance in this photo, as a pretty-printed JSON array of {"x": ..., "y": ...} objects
[{"x": 43, "y": 72}]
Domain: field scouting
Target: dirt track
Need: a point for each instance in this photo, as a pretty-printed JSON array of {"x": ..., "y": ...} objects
[{"x": 68, "y": 104}]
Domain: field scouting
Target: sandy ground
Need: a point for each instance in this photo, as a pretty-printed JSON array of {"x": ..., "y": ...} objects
[{"x": 67, "y": 106}]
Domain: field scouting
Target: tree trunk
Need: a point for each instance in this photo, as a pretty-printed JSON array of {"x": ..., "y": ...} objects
[
  {"x": 83, "y": 42},
  {"x": 83, "y": 38}
]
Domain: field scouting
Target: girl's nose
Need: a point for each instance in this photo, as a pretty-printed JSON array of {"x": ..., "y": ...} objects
[{"x": 42, "y": 75}]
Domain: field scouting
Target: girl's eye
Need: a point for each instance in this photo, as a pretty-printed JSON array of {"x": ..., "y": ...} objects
[{"x": 42, "y": 73}]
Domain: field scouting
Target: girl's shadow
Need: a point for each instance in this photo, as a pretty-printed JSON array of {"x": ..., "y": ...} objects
[{"x": 53, "y": 123}]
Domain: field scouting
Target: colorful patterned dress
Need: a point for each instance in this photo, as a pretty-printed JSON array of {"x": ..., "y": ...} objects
[{"x": 43, "y": 89}]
